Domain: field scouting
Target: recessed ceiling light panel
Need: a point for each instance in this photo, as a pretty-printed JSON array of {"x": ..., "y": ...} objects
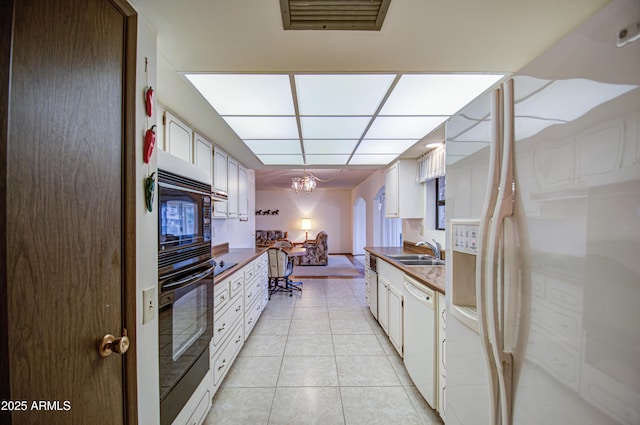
[{"x": 327, "y": 159}]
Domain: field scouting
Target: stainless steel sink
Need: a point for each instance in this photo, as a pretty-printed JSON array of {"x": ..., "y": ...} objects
[
  {"x": 402, "y": 257},
  {"x": 422, "y": 262},
  {"x": 415, "y": 259}
]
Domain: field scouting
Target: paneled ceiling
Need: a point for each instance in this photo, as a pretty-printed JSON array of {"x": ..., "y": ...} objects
[{"x": 417, "y": 37}]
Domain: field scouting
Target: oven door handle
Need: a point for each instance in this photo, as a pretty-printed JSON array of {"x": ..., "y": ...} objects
[{"x": 187, "y": 280}]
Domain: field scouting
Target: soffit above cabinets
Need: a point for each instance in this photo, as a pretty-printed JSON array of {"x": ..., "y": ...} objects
[
  {"x": 334, "y": 119},
  {"x": 344, "y": 15}
]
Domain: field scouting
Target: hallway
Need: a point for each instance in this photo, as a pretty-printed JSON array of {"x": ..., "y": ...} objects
[{"x": 319, "y": 358}]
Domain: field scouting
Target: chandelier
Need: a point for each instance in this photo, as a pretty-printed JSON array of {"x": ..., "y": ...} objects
[{"x": 306, "y": 183}]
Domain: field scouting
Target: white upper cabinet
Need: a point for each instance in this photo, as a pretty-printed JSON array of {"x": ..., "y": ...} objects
[
  {"x": 203, "y": 154},
  {"x": 403, "y": 194},
  {"x": 219, "y": 181},
  {"x": 178, "y": 137},
  {"x": 232, "y": 182},
  {"x": 243, "y": 193}
]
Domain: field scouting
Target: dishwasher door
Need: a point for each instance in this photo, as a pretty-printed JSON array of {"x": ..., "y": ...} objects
[{"x": 420, "y": 338}]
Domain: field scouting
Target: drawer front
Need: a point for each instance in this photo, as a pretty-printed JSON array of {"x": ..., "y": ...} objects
[
  {"x": 252, "y": 291},
  {"x": 222, "y": 362},
  {"x": 248, "y": 273},
  {"x": 251, "y": 317},
  {"x": 257, "y": 267},
  {"x": 226, "y": 321},
  {"x": 237, "y": 283},
  {"x": 221, "y": 296}
]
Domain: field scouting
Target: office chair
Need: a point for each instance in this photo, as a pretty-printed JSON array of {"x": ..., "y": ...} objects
[{"x": 280, "y": 268}]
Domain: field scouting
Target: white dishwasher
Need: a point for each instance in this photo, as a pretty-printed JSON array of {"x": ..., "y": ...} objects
[{"x": 420, "y": 338}]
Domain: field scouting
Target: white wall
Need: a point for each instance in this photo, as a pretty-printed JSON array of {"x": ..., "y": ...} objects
[
  {"x": 146, "y": 238},
  {"x": 414, "y": 230},
  {"x": 329, "y": 210}
]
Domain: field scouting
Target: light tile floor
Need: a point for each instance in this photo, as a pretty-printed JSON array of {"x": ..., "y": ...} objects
[{"x": 319, "y": 358}]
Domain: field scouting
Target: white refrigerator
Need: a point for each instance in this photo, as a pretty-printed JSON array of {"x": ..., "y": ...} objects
[{"x": 543, "y": 237}]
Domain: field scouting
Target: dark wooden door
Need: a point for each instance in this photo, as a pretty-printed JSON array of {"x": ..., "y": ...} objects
[{"x": 65, "y": 218}]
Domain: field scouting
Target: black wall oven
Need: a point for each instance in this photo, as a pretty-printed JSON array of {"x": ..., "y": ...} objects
[{"x": 185, "y": 281}]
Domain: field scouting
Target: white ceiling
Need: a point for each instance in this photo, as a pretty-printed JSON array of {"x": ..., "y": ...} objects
[{"x": 247, "y": 36}]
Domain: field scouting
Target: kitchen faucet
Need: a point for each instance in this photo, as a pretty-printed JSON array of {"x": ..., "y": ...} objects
[{"x": 437, "y": 248}]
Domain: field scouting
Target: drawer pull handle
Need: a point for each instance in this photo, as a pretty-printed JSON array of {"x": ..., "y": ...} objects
[
  {"x": 238, "y": 309},
  {"x": 223, "y": 365},
  {"x": 250, "y": 321},
  {"x": 250, "y": 295},
  {"x": 224, "y": 325},
  {"x": 239, "y": 339}
]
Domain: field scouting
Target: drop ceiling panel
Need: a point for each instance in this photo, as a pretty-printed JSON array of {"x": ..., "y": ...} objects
[
  {"x": 274, "y": 146},
  {"x": 403, "y": 127},
  {"x": 436, "y": 94},
  {"x": 281, "y": 159},
  {"x": 246, "y": 94},
  {"x": 372, "y": 159},
  {"x": 339, "y": 146},
  {"x": 341, "y": 94},
  {"x": 333, "y": 127},
  {"x": 327, "y": 159},
  {"x": 384, "y": 146},
  {"x": 264, "y": 127}
]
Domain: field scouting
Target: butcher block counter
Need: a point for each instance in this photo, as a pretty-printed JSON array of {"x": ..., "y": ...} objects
[{"x": 431, "y": 276}]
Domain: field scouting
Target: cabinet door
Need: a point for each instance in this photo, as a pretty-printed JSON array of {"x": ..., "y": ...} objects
[
  {"x": 243, "y": 193},
  {"x": 232, "y": 185},
  {"x": 219, "y": 181},
  {"x": 395, "y": 319},
  {"x": 178, "y": 137},
  {"x": 383, "y": 303},
  {"x": 203, "y": 155},
  {"x": 391, "y": 182}
]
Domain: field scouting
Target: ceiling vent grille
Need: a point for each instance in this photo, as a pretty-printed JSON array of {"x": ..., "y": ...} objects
[{"x": 356, "y": 15}]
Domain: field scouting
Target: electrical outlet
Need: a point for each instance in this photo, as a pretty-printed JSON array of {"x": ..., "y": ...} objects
[{"x": 149, "y": 304}]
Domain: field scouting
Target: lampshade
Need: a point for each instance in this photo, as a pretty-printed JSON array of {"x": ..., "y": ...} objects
[{"x": 306, "y": 224}]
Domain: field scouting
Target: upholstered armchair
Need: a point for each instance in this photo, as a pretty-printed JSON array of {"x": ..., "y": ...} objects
[{"x": 316, "y": 254}]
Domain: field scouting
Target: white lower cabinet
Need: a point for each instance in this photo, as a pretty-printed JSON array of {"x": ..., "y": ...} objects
[
  {"x": 195, "y": 410},
  {"x": 396, "y": 334},
  {"x": 222, "y": 360},
  {"x": 383, "y": 304},
  {"x": 238, "y": 303}
]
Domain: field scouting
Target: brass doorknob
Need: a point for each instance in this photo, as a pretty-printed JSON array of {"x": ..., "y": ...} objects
[{"x": 111, "y": 344}]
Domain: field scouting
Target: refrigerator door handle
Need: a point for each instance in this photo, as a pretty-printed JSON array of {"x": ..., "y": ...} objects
[
  {"x": 485, "y": 230},
  {"x": 495, "y": 288}
]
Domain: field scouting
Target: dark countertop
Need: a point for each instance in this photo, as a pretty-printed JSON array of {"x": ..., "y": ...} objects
[
  {"x": 431, "y": 276},
  {"x": 242, "y": 256}
]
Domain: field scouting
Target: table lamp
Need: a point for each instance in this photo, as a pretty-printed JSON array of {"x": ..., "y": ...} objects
[{"x": 306, "y": 226}]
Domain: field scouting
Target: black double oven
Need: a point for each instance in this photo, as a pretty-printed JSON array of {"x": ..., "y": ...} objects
[{"x": 185, "y": 282}]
